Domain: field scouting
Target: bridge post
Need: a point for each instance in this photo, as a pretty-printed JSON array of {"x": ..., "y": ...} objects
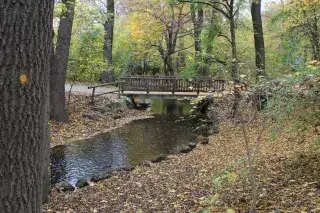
[
  {"x": 198, "y": 87},
  {"x": 119, "y": 87},
  {"x": 147, "y": 85},
  {"x": 173, "y": 85},
  {"x": 92, "y": 97}
]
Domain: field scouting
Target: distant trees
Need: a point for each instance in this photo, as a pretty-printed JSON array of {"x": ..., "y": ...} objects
[
  {"x": 60, "y": 63},
  {"x": 228, "y": 9},
  {"x": 25, "y": 59},
  {"x": 172, "y": 31},
  {"x": 191, "y": 37},
  {"x": 169, "y": 20},
  {"x": 302, "y": 17}
]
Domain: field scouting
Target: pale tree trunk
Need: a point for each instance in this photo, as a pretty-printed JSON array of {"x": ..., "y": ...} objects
[
  {"x": 109, "y": 28},
  {"x": 24, "y": 79},
  {"x": 197, "y": 16},
  {"x": 258, "y": 37},
  {"x": 60, "y": 64},
  {"x": 181, "y": 60},
  {"x": 213, "y": 20}
]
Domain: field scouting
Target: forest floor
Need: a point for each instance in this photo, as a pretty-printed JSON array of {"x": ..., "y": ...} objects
[
  {"x": 287, "y": 172},
  {"x": 79, "y": 127}
]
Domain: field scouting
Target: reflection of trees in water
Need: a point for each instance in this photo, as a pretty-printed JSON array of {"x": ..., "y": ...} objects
[
  {"x": 58, "y": 164},
  {"x": 172, "y": 107},
  {"x": 150, "y": 138},
  {"x": 131, "y": 144},
  {"x": 169, "y": 106},
  {"x": 84, "y": 159},
  {"x": 118, "y": 152}
]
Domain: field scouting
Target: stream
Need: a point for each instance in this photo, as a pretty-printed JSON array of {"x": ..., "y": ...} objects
[{"x": 129, "y": 145}]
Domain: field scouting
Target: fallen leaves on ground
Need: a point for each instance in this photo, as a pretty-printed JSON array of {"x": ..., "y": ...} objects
[{"x": 287, "y": 172}]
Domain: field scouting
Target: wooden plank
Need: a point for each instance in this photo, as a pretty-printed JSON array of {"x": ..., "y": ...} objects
[
  {"x": 106, "y": 84},
  {"x": 112, "y": 91},
  {"x": 101, "y": 85}
]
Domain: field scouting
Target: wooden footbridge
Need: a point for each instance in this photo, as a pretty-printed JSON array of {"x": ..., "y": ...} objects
[{"x": 162, "y": 86}]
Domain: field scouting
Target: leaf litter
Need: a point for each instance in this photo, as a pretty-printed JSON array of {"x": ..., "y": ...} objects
[{"x": 287, "y": 171}]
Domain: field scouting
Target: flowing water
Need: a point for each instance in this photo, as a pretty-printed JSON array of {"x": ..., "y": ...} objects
[{"x": 128, "y": 145}]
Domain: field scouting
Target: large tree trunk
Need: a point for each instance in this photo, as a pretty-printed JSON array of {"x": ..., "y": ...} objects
[
  {"x": 170, "y": 69},
  {"x": 258, "y": 37},
  {"x": 108, "y": 27},
  {"x": 25, "y": 53},
  {"x": 59, "y": 69}
]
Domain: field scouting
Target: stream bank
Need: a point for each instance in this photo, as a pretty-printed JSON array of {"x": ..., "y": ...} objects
[
  {"x": 171, "y": 130},
  {"x": 82, "y": 126},
  {"x": 287, "y": 171},
  {"x": 183, "y": 183}
]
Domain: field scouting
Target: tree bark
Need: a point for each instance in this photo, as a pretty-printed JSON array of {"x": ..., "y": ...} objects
[
  {"x": 234, "y": 62},
  {"x": 181, "y": 60},
  {"x": 168, "y": 66},
  {"x": 197, "y": 19},
  {"x": 315, "y": 38},
  {"x": 58, "y": 110},
  {"x": 25, "y": 53},
  {"x": 109, "y": 28},
  {"x": 258, "y": 37}
]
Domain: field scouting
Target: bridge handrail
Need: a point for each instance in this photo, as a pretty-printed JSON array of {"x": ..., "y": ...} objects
[
  {"x": 168, "y": 77},
  {"x": 171, "y": 84},
  {"x": 105, "y": 84}
]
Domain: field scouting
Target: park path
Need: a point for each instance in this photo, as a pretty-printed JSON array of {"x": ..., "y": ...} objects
[{"x": 84, "y": 89}]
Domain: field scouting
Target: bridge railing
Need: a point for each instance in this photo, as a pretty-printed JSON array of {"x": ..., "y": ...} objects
[
  {"x": 170, "y": 84},
  {"x": 105, "y": 84}
]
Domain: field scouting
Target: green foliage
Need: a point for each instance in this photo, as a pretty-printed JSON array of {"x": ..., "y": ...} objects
[
  {"x": 227, "y": 176},
  {"x": 189, "y": 71},
  {"x": 295, "y": 99},
  {"x": 140, "y": 29},
  {"x": 86, "y": 60},
  {"x": 317, "y": 141}
]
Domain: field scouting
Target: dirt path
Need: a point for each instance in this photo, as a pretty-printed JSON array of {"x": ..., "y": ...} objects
[{"x": 84, "y": 89}]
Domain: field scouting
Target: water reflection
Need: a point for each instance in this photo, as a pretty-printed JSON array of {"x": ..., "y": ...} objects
[
  {"x": 126, "y": 146},
  {"x": 169, "y": 106},
  {"x": 83, "y": 159}
]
